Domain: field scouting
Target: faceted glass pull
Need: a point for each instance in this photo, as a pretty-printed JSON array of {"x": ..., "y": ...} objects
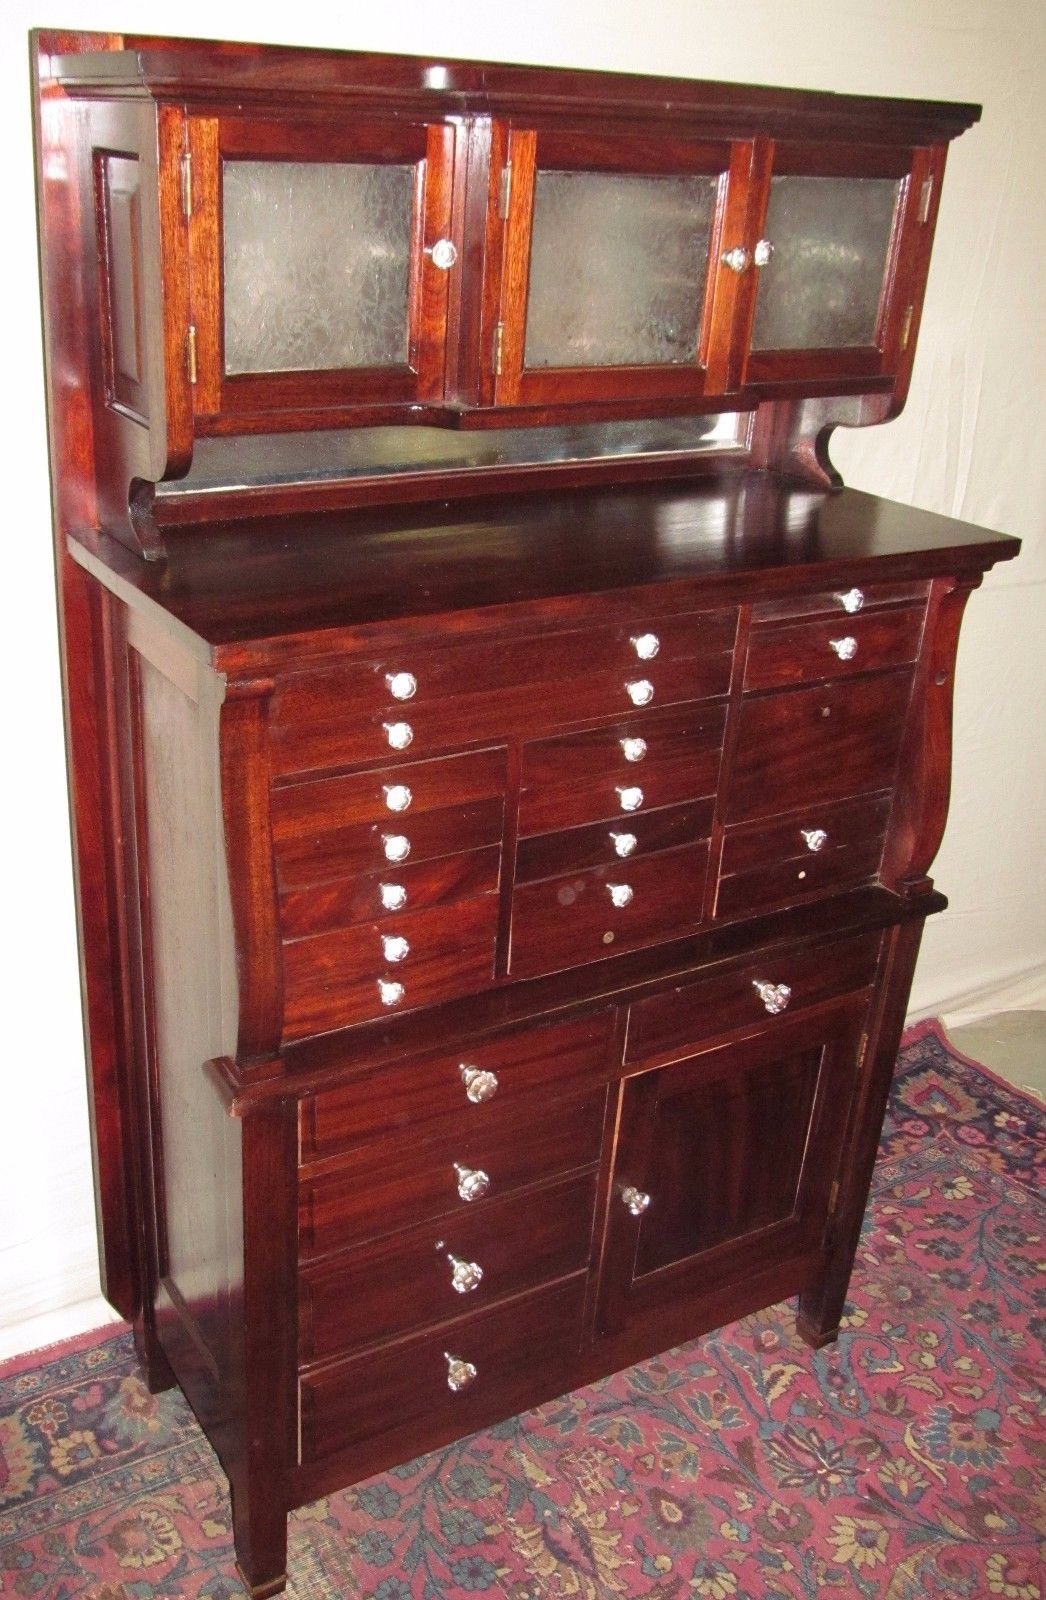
[
  {"x": 846, "y": 648},
  {"x": 394, "y": 947},
  {"x": 816, "y": 838},
  {"x": 391, "y": 993},
  {"x": 631, "y": 798},
  {"x": 633, "y": 749},
  {"x": 399, "y": 734},
  {"x": 635, "y": 1199},
  {"x": 397, "y": 796},
  {"x": 465, "y": 1276},
  {"x": 852, "y": 600},
  {"x": 645, "y": 645},
  {"x": 640, "y": 691},
  {"x": 479, "y": 1085},
  {"x": 393, "y": 896},
  {"x": 402, "y": 685},
  {"x": 775, "y": 996},
  {"x": 459, "y": 1373},
  {"x": 624, "y": 843},
  {"x": 473, "y": 1182},
  {"x": 396, "y": 846},
  {"x": 621, "y": 894}
]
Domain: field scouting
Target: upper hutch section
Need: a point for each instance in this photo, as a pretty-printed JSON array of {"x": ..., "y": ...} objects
[{"x": 298, "y": 241}]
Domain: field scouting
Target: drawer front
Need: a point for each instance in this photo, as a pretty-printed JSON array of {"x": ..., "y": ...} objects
[
  {"x": 845, "y": 601},
  {"x": 384, "y": 895},
  {"x": 685, "y": 1015},
  {"x": 623, "y": 839},
  {"x": 564, "y": 922},
  {"x": 404, "y": 1096},
  {"x": 334, "y": 979},
  {"x": 335, "y": 852},
  {"x": 393, "y": 1184},
  {"x": 787, "y": 882},
  {"x": 807, "y": 651},
  {"x": 392, "y": 795},
  {"x": 431, "y": 1273},
  {"x": 582, "y": 777},
  {"x": 804, "y": 747},
  {"x": 819, "y": 851},
  {"x": 408, "y": 1384}
]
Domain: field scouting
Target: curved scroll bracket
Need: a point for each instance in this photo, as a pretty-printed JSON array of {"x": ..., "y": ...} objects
[{"x": 792, "y": 436}]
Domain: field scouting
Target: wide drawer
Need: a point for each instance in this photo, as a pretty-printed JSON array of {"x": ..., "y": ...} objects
[
  {"x": 352, "y": 974},
  {"x": 498, "y": 1359},
  {"x": 386, "y": 894},
  {"x": 637, "y": 833},
  {"x": 564, "y": 922},
  {"x": 430, "y": 1273},
  {"x": 582, "y": 777},
  {"x": 805, "y": 747},
  {"x": 374, "y": 847},
  {"x": 805, "y": 652},
  {"x": 402, "y": 1096},
  {"x": 845, "y": 601},
  {"x": 392, "y": 1184},
  {"x": 391, "y": 794},
  {"x": 752, "y": 996}
]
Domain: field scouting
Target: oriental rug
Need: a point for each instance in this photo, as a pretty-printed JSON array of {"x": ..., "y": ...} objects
[{"x": 904, "y": 1462}]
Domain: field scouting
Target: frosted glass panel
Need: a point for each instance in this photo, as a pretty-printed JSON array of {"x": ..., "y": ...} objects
[
  {"x": 617, "y": 268},
  {"x": 317, "y": 260},
  {"x": 820, "y": 288}
]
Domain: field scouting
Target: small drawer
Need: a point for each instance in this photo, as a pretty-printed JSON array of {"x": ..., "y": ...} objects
[
  {"x": 464, "y": 1375},
  {"x": 388, "y": 893},
  {"x": 749, "y": 997},
  {"x": 815, "y": 831},
  {"x": 335, "y": 852},
  {"x": 807, "y": 651},
  {"x": 333, "y": 979},
  {"x": 849, "y": 599},
  {"x": 433, "y": 1272},
  {"x": 565, "y": 922},
  {"x": 392, "y": 1184},
  {"x": 400, "y": 1096},
  {"x": 391, "y": 795},
  {"x": 582, "y": 777},
  {"x": 802, "y": 748},
  {"x": 632, "y": 834},
  {"x": 745, "y": 894}
]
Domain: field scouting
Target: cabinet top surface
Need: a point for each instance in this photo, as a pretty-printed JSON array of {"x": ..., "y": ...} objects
[{"x": 706, "y": 542}]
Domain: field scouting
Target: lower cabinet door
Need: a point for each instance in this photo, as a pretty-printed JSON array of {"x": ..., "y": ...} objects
[{"x": 725, "y": 1168}]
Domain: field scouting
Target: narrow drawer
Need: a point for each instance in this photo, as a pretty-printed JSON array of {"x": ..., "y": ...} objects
[
  {"x": 692, "y": 1012},
  {"x": 815, "y": 831},
  {"x": 431, "y": 1273},
  {"x": 334, "y": 979},
  {"x": 787, "y": 882},
  {"x": 374, "y": 847},
  {"x": 391, "y": 1184},
  {"x": 629, "y": 835},
  {"x": 393, "y": 794},
  {"x": 805, "y": 747},
  {"x": 557, "y": 1058},
  {"x": 845, "y": 601},
  {"x": 384, "y": 895},
  {"x": 564, "y": 922},
  {"x": 807, "y": 651},
  {"x": 407, "y": 1385},
  {"x": 581, "y": 777}
]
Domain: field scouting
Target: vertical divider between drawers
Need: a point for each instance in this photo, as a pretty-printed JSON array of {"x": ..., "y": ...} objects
[{"x": 733, "y": 719}]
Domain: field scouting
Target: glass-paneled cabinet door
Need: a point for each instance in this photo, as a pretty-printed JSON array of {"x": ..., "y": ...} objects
[
  {"x": 610, "y": 285},
  {"x": 320, "y": 264},
  {"x": 828, "y": 263}
]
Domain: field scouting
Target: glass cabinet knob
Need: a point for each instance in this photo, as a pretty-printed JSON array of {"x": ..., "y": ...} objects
[
  {"x": 624, "y": 843},
  {"x": 459, "y": 1373},
  {"x": 633, "y": 749},
  {"x": 393, "y": 896},
  {"x": 396, "y": 846},
  {"x": 775, "y": 996},
  {"x": 640, "y": 691},
  {"x": 442, "y": 254},
  {"x": 399, "y": 734},
  {"x": 402, "y": 685},
  {"x": 645, "y": 645},
  {"x": 397, "y": 796},
  {"x": 479, "y": 1085},
  {"x": 852, "y": 600},
  {"x": 473, "y": 1182},
  {"x": 816, "y": 838},
  {"x": 846, "y": 648},
  {"x": 391, "y": 993},
  {"x": 738, "y": 259},
  {"x": 621, "y": 894},
  {"x": 394, "y": 947},
  {"x": 636, "y": 1201},
  {"x": 631, "y": 798},
  {"x": 762, "y": 253},
  {"x": 465, "y": 1276}
]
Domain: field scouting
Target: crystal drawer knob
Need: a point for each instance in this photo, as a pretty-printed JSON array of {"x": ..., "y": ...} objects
[
  {"x": 402, "y": 685},
  {"x": 442, "y": 254},
  {"x": 640, "y": 691},
  {"x": 396, "y": 846},
  {"x": 816, "y": 838},
  {"x": 633, "y": 749},
  {"x": 852, "y": 600},
  {"x": 775, "y": 996},
  {"x": 465, "y": 1276},
  {"x": 459, "y": 1373},
  {"x": 393, "y": 896},
  {"x": 397, "y": 796},
  {"x": 394, "y": 946},
  {"x": 391, "y": 993},
  {"x": 645, "y": 645},
  {"x": 479, "y": 1085},
  {"x": 846, "y": 648},
  {"x": 621, "y": 894},
  {"x": 473, "y": 1182},
  {"x": 738, "y": 259},
  {"x": 762, "y": 253},
  {"x": 631, "y": 798},
  {"x": 636, "y": 1201},
  {"x": 624, "y": 843},
  {"x": 399, "y": 734}
]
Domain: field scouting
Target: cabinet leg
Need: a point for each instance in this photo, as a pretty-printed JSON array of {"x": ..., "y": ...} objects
[
  {"x": 820, "y": 1310},
  {"x": 155, "y": 1366},
  {"x": 259, "y": 1527}
]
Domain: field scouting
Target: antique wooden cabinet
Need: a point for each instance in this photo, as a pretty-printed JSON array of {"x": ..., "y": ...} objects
[{"x": 506, "y": 763}]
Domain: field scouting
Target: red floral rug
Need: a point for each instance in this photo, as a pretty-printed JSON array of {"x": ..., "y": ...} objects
[{"x": 903, "y": 1462}]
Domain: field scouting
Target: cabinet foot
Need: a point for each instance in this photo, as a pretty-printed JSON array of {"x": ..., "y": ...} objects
[
  {"x": 259, "y": 1528},
  {"x": 156, "y": 1369},
  {"x": 820, "y": 1312},
  {"x": 813, "y": 1334}
]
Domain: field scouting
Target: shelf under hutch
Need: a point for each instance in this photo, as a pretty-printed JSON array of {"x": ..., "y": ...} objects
[{"x": 505, "y": 761}]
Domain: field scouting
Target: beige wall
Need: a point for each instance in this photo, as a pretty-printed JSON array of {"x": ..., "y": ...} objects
[{"x": 971, "y": 443}]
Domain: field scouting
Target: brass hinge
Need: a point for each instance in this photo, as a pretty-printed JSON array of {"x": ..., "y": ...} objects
[
  {"x": 187, "y": 185},
  {"x": 862, "y": 1051},
  {"x": 925, "y": 197},
  {"x": 190, "y": 352},
  {"x": 499, "y": 345},
  {"x": 505, "y": 191},
  {"x": 833, "y": 1197},
  {"x": 906, "y": 327}
]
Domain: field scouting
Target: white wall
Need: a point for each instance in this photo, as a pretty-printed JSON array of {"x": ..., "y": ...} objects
[{"x": 971, "y": 443}]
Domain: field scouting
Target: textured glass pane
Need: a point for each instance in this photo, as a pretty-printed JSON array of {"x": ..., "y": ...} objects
[
  {"x": 617, "y": 268},
  {"x": 317, "y": 259},
  {"x": 820, "y": 288}
]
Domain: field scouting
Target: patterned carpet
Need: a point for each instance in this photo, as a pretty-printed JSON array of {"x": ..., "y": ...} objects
[{"x": 905, "y": 1461}]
